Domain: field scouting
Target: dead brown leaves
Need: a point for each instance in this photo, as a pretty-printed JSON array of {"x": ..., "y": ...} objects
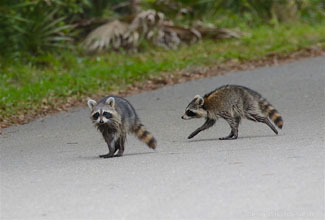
[{"x": 152, "y": 26}]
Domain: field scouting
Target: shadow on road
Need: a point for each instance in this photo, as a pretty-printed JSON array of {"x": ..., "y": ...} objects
[
  {"x": 125, "y": 155},
  {"x": 245, "y": 137},
  {"x": 135, "y": 154}
]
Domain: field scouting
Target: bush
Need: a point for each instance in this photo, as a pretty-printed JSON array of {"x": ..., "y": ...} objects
[
  {"x": 252, "y": 12},
  {"x": 32, "y": 27}
]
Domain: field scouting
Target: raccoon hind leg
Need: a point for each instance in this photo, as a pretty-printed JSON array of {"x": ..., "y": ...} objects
[
  {"x": 265, "y": 120},
  {"x": 233, "y": 123}
]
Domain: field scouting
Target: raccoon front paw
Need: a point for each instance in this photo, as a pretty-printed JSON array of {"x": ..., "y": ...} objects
[
  {"x": 106, "y": 156},
  {"x": 191, "y": 136}
]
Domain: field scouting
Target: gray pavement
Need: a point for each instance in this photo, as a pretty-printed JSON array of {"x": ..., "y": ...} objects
[{"x": 50, "y": 167}]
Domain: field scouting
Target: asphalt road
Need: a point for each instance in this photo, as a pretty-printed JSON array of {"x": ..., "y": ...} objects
[{"x": 50, "y": 168}]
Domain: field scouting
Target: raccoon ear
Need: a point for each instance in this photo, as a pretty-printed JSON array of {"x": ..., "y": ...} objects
[
  {"x": 91, "y": 104},
  {"x": 199, "y": 100},
  {"x": 110, "y": 101}
]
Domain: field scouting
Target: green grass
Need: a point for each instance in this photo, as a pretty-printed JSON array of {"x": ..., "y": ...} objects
[{"x": 26, "y": 87}]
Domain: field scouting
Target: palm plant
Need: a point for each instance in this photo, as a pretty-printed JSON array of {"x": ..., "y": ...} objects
[
  {"x": 32, "y": 27},
  {"x": 44, "y": 30}
]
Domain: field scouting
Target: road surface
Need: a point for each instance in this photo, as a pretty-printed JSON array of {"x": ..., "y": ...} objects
[{"x": 50, "y": 168}]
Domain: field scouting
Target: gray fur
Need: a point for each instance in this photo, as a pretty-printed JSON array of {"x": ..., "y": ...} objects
[
  {"x": 115, "y": 130},
  {"x": 122, "y": 120},
  {"x": 232, "y": 103}
]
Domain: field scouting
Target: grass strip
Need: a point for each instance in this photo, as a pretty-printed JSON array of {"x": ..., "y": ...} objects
[{"x": 27, "y": 89}]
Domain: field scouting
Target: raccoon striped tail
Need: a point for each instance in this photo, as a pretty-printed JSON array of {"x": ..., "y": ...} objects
[
  {"x": 144, "y": 135},
  {"x": 271, "y": 112}
]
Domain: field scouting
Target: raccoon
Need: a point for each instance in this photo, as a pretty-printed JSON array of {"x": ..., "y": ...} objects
[
  {"x": 232, "y": 103},
  {"x": 114, "y": 117}
]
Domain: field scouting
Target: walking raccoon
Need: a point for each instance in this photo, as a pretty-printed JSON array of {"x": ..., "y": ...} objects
[
  {"x": 232, "y": 102},
  {"x": 114, "y": 117}
]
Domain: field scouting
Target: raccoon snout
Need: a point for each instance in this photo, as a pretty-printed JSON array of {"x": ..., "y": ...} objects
[
  {"x": 185, "y": 117},
  {"x": 101, "y": 122}
]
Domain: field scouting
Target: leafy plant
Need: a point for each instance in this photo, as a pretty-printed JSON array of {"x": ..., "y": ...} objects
[
  {"x": 44, "y": 31},
  {"x": 253, "y": 12},
  {"x": 32, "y": 27},
  {"x": 10, "y": 23},
  {"x": 312, "y": 11}
]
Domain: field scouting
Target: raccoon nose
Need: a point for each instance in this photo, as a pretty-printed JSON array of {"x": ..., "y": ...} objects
[
  {"x": 182, "y": 117},
  {"x": 101, "y": 122}
]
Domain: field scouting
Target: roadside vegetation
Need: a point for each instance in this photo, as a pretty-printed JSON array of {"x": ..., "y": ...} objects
[{"x": 43, "y": 64}]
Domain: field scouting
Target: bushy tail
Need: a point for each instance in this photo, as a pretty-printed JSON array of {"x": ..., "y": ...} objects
[
  {"x": 144, "y": 135},
  {"x": 271, "y": 112}
]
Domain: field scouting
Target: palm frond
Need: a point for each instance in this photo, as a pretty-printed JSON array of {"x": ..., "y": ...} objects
[
  {"x": 109, "y": 35},
  {"x": 152, "y": 26}
]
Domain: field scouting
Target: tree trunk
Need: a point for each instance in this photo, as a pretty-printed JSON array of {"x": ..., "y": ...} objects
[{"x": 134, "y": 6}]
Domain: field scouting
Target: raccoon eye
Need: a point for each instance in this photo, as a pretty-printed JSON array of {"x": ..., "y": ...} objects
[
  {"x": 95, "y": 116},
  {"x": 190, "y": 113},
  {"x": 107, "y": 115}
]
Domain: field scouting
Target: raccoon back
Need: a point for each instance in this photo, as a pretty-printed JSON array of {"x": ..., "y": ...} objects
[
  {"x": 225, "y": 97},
  {"x": 241, "y": 99}
]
